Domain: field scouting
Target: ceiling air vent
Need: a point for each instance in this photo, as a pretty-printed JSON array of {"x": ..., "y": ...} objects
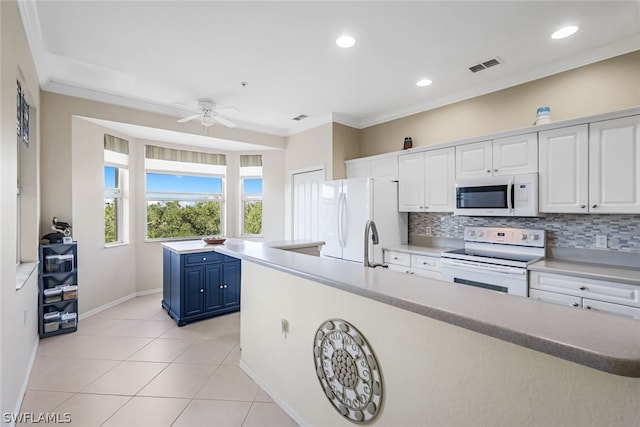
[
  {"x": 300, "y": 117},
  {"x": 484, "y": 65}
]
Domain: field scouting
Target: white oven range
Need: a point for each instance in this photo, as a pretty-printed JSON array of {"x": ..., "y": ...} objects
[{"x": 495, "y": 258}]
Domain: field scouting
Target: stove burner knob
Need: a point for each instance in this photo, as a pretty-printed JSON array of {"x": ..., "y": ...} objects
[
  {"x": 472, "y": 233},
  {"x": 523, "y": 237},
  {"x": 534, "y": 236},
  {"x": 480, "y": 233}
]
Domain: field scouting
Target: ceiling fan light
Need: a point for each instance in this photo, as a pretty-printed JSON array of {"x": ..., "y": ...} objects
[{"x": 207, "y": 120}]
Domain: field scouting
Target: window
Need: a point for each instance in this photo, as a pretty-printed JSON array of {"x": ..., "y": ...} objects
[
  {"x": 116, "y": 173},
  {"x": 184, "y": 192},
  {"x": 251, "y": 194}
]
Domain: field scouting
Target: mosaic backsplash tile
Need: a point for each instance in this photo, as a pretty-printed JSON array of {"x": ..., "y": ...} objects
[{"x": 563, "y": 230}]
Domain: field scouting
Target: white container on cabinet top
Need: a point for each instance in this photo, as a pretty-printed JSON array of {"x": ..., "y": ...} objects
[{"x": 510, "y": 155}]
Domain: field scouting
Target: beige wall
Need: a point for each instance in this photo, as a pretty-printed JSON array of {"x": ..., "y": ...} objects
[
  {"x": 18, "y": 308},
  {"x": 602, "y": 87},
  {"x": 345, "y": 147}
]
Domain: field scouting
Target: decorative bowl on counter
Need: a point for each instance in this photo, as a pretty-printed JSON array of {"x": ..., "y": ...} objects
[{"x": 214, "y": 240}]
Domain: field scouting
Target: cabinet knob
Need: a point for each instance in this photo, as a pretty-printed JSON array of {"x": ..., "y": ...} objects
[
  {"x": 204, "y": 258},
  {"x": 594, "y": 206},
  {"x": 201, "y": 290},
  {"x": 220, "y": 286},
  {"x": 583, "y": 288},
  {"x": 583, "y": 206},
  {"x": 575, "y": 304},
  {"x": 495, "y": 170},
  {"x": 588, "y": 307},
  {"x": 225, "y": 286},
  {"x": 488, "y": 170}
]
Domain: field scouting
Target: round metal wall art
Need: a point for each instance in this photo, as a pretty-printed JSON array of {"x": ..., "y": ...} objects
[{"x": 348, "y": 371}]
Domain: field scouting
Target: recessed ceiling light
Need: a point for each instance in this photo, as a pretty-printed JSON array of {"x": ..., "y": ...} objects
[
  {"x": 345, "y": 41},
  {"x": 423, "y": 82},
  {"x": 564, "y": 32}
]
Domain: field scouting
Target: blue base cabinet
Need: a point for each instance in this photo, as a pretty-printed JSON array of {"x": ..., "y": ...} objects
[{"x": 199, "y": 285}]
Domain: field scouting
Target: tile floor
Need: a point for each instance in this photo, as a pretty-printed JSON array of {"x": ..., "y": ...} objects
[{"x": 132, "y": 366}]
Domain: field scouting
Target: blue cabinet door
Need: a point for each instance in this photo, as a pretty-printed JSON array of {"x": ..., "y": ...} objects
[
  {"x": 231, "y": 275},
  {"x": 213, "y": 287},
  {"x": 193, "y": 291}
]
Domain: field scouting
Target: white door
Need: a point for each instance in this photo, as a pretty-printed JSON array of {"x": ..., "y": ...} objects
[
  {"x": 564, "y": 169},
  {"x": 357, "y": 211},
  {"x": 474, "y": 160},
  {"x": 614, "y": 166},
  {"x": 411, "y": 175},
  {"x": 306, "y": 188},
  {"x": 514, "y": 155},
  {"x": 439, "y": 171}
]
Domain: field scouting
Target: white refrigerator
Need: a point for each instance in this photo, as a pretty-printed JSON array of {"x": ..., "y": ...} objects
[{"x": 345, "y": 207}]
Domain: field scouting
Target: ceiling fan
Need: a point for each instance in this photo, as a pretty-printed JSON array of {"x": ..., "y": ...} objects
[{"x": 209, "y": 114}]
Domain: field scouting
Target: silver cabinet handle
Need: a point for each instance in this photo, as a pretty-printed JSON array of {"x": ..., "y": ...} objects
[
  {"x": 575, "y": 304},
  {"x": 201, "y": 290},
  {"x": 583, "y": 206},
  {"x": 220, "y": 286},
  {"x": 488, "y": 170},
  {"x": 583, "y": 288},
  {"x": 225, "y": 286},
  {"x": 495, "y": 170},
  {"x": 588, "y": 307},
  {"x": 204, "y": 258},
  {"x": 594, "y": 206}
]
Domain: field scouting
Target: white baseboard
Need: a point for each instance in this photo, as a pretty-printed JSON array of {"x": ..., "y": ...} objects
[
  {"x": 118, "y": 301},
  {"x": 25, "y": 383},
  {"x": 276, "y": 398}
]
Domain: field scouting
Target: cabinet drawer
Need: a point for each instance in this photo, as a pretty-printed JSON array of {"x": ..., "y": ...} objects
[
  {"x": 425, "y": 262},
  {"x": 602, "y": 290},
  {"x": 622, "y": 310},
  {"x": 398, "y": 258},
  {"x": 556, "y": 298},
  {"x": 202, "y": 257},
  {"x": 400, "y": 268}
]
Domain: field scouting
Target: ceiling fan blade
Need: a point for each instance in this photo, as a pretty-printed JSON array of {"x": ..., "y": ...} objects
[
  {"x": 187, "y": 119},
  {"x": 226, "y": 110},
  {"x": 227, "y": 123}
]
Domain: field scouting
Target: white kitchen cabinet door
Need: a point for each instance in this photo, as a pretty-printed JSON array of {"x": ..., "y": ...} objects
[
  {"x": 385, "y": 167},
  {"x": 359, "y": 169},
  {"x": 439, "y": 185},
  {"x": 564, "y": 169},
  {"x": 515, "y": 154},
  {"x": 411, "y": 176},
  {"x": 474, "y": 160},
  {"x": 614, "y": 166},
  {"x": 562, "y": 299}
]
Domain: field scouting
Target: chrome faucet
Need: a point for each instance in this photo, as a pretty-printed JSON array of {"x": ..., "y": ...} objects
[{"x": 370, "y": 228}]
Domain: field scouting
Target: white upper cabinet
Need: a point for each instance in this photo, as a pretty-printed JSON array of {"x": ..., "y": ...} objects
[
  {"x": 591, "y": 168},
  {"x": 426, "y": 181},
  {"x": 383, "y": 167},
  {"x": 502, "y": 156},
  {"x": 564, "y": 175},
  {"x": 614, "y": 166},
  {"x": 474, "y": 160}
]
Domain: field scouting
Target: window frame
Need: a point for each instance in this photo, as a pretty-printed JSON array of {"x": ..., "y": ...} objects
[
  {"x": 117, "y": 194},
  {"x": 192, "y": 197},
  {"x": 250, "y": 198}
]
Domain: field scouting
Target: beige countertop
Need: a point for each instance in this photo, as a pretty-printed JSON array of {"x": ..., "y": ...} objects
[
  {"x": 588, "y": 270},
  {"x": 194, "y": 246},
  {"x": 600, "y": 341},
  {"x": 418, "y": 250}
]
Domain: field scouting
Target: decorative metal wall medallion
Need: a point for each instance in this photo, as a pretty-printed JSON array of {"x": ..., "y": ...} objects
[{"x": 348, "y": 371}]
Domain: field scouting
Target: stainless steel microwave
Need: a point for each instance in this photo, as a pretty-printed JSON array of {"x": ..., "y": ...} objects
[{"x": 515, "y": 195}]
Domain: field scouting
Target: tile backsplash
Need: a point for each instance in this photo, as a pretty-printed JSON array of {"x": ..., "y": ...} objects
[{"x": 563, "y": 230}]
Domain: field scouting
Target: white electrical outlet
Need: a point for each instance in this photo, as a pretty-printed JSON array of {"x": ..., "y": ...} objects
[
  {"x": 427, "y": 231},
  {"x": 601, "y": 240}
]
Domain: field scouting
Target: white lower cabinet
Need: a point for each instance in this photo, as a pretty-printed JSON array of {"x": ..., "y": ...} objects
[
  {"x": 424, "y": 265},
  {"x": 600, "y": 295}
]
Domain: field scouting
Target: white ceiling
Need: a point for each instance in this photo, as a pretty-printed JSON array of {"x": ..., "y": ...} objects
[{"x": 156, "y": 55}]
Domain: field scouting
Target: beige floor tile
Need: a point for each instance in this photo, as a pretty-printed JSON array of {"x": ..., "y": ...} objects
[
  {"x": 179, "y": 380},
  {"x": 221, "y": 328},
  {"x": 229, "y": 383},
  {"x": 148, "y": 412},
  {"x": 125, "y": 327},
  {"x": 89, "y": 410},
  {"x": 211, "y": 352},
  {"x": 213, "y": 413},
  {"x": 267, "y": 415},
  {"x": 262, "y": 396},
  {"x": 42, "y": 401},
  {"x": 65, "y": 374},
  {"x": 234, "y": 357},
  {"x": 93, "y": 347},
  {"x": 162, "y": 350},
  {"x": 126, "y": 379}
]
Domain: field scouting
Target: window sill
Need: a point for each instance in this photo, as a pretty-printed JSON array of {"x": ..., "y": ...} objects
[
  {"x": 171, "y": 239},
  {"x": 115, "y": 245},
  {"x": 24, "y": 270}
]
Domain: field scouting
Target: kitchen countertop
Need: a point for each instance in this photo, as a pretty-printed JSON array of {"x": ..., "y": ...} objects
[
  {"x": 194, "y": 246},
  {"x": 418, "y": 250},
  {"x": 600, "y": 341}
]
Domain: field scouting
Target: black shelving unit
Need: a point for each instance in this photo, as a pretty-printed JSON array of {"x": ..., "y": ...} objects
[{"x": 58, "y": 289}]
